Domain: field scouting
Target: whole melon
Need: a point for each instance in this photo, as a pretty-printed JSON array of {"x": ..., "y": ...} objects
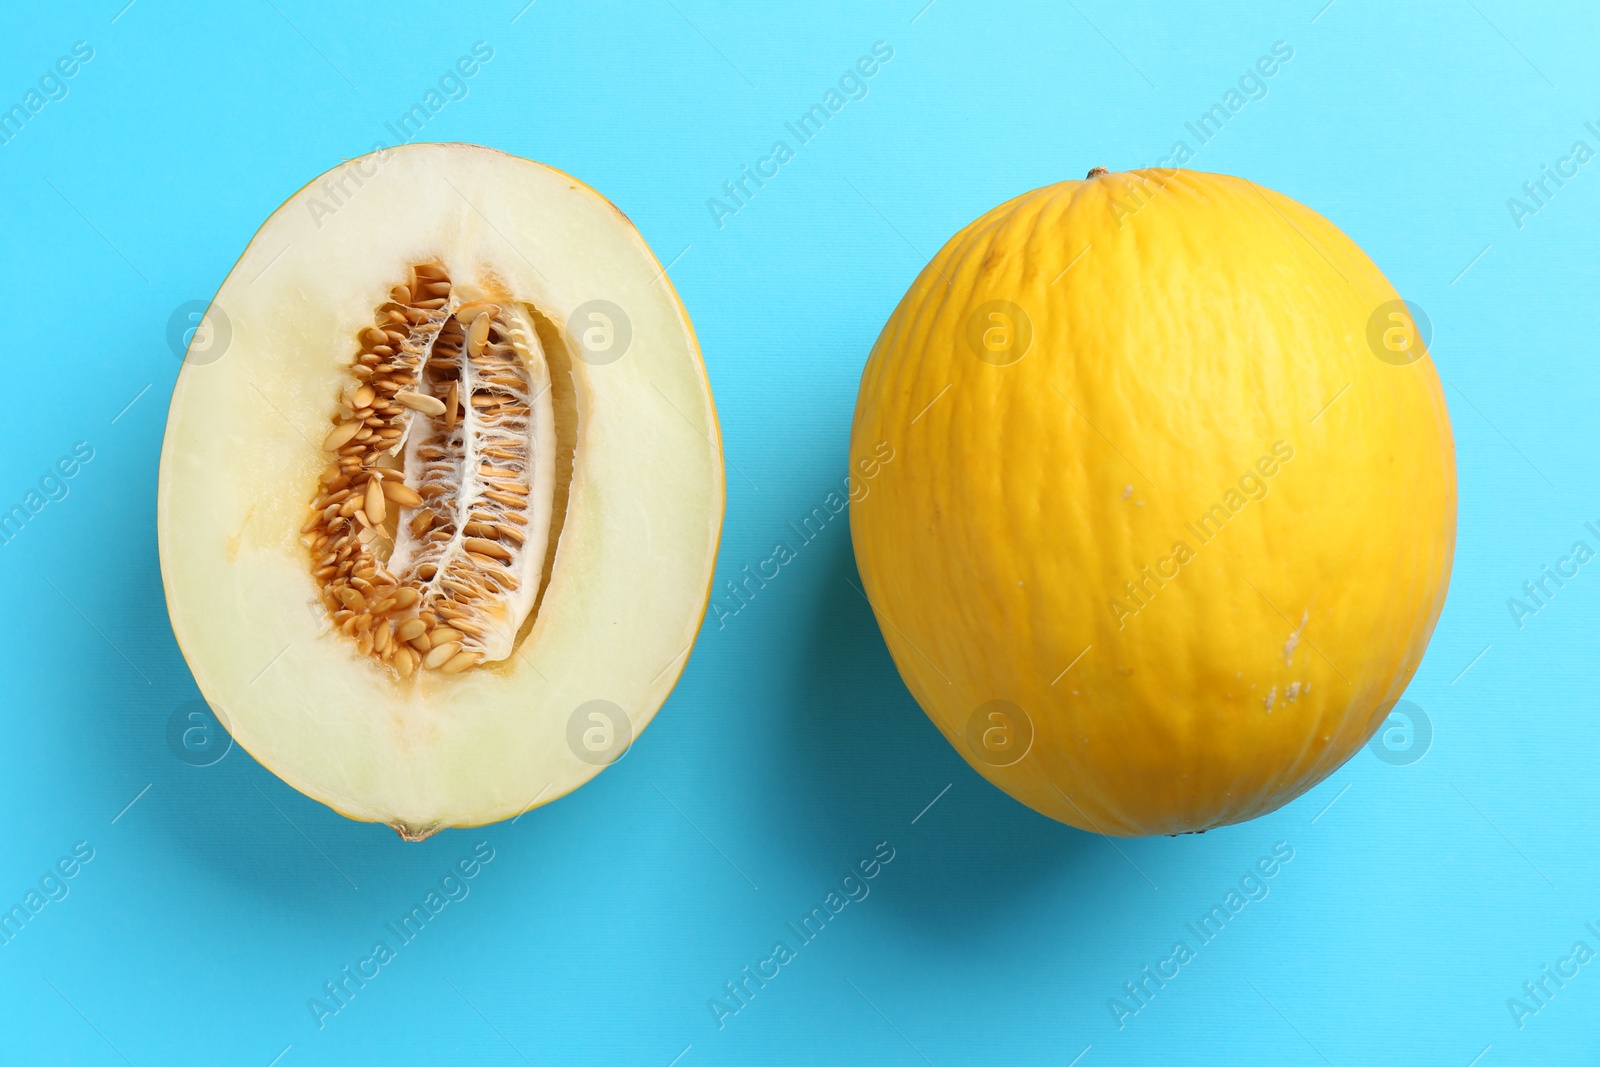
[{"x": 1173, "y": 510}]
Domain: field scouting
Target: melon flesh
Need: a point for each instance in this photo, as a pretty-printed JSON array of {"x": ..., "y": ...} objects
[{"x": 638, "y": 504}]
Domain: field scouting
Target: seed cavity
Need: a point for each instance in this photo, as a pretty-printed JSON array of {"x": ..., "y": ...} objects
[{"x": 429, "y": 528}]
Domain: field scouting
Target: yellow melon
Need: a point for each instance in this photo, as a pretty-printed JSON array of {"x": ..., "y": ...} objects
[
  {"x": 1173, "y": 512},
  {"x": 438, "y": 521}
]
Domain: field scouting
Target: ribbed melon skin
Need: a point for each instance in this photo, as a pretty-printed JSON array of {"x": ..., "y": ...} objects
[{"x": 1191, "y": 334}]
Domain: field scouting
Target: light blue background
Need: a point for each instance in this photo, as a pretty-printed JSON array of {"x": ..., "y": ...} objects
[{"x": 220, "y": 901}]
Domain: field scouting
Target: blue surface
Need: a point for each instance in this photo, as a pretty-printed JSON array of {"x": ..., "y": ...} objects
[{"x": 1422, "y": 893}]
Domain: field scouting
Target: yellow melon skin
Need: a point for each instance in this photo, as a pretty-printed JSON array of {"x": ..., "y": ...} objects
[{"x": 1070, "y": 386}]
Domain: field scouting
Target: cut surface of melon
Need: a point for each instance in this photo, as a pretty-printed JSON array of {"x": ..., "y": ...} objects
[{"x": 438, "y": 526}]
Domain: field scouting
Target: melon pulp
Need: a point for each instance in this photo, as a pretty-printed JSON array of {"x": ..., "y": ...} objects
[
  {"x": 1176, "y": 510},
  {"x": 438, "y": 525}
]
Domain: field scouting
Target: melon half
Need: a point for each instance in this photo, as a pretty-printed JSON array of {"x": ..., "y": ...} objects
[{"x": 441, "y": 489}]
